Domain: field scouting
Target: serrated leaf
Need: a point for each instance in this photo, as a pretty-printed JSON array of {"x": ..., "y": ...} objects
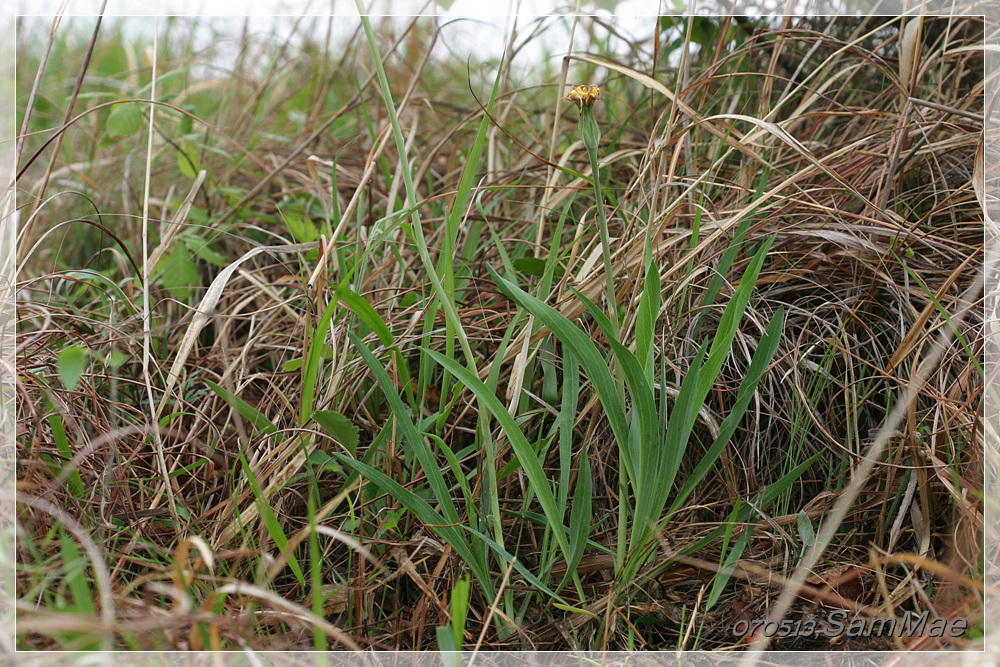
[
  {"x": 71, "y": 364},
  {"x": 340, "y": 427},
  {"x": 124, "y": 119}
]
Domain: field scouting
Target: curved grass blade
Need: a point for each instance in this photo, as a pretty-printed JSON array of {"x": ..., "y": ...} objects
[
  {"x": 582, "y": 347},
  {"x": 731, "y": 318},
  {"x": 424, "y": 455},
  {"x": 522, "y": 449},
  {"x": 430, "y": 517},
  {"x": 758, "y": 364}
]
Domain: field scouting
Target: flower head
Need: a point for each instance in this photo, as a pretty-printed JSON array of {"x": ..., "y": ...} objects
[{"x": 584, "y": 96}]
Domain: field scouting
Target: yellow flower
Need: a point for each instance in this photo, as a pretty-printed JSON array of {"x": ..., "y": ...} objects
[{"x": 584, "y": 96}]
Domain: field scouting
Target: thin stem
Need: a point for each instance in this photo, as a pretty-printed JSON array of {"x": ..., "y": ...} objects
[{"x": 602, "y": 222}]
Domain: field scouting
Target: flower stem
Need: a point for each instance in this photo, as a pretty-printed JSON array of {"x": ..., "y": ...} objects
[{"x": 602, "y": 223}]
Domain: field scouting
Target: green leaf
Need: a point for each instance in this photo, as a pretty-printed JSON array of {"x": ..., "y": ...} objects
[
  {"x": 726, "y": 571},
  {"x": 124, "y": 119},
  {"x": 412, "y": 436},
  {"x": 180, "y": 273},
  {"x": 366, "y": 314},
  {"x": 300, "y": 225},
  {"x": 200, "y": 247},
  {"x": 731, "y": 318},
  {"x": 758, "y": 365},
  {"x": 445, "y": 529},
  {"x": 446, "y": 640},
  {"x": 71, "y": 364},
  {"x": 459, "y": 609},
  {"x": 583, "y": 348},
  {"x": 187, "y": 123},
  {"x": 320, "y": 459},
  {"x": 340, "y": 427},
  {"x": 271, "y": 522},
  {"x": 256, "y": 419},
  {"x": 74, "y": 480},
  {"x": 316, "y": 351},
  {"x": 581, "y": 515},
  {"x": 530, "y": 266},
  {"x": 187, "y": 160},
  {"x": 76, "y": 574},
  {"x": 645, "y": 322},
  {"x": 805, "y": 526},
  {"x": 522, "y": 449}
]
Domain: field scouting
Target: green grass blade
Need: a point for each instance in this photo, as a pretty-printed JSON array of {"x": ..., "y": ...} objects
[
  {"x": 582, "y": 347},
  {"x": 758, "y": 364},
  {"x": 731, "y": 318},
  {"x": 247, "y": 411},
  {"x": 416, "y": 441},
  {"x": 437, "y": 524},
  {"x": 447, "y": 304},
  {"x": 645, "y": 319},
  {"x": 646, "y": 444},
  {"x": 271, "y": 522},
  {"x": 726, "y": 571},
  {"x": 581, "y": 516},
  {"x": 522, "y": 449},
  {"x": 366, "y": 314},
  {"x": 317, "y": 346},
  {"x": 74, "y": 480}
]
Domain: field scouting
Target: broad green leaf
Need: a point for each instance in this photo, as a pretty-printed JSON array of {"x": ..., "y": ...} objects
[
  {"x": 530, "y": 266},
  {"x": 446, "y": 640},
  {"x": 340, "y": 427},
  {"x": 200, "y": 247},
  {"x": 124, "y": 119},
  {"x": 805, "y": 526},
  {"x": 72, "y": 363},
  {"x": 459, "y": 609},
  {"x": 300, "y": 225},
  {"x": 188, "y": 162},
  {"x": 180, "y": 273}
]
